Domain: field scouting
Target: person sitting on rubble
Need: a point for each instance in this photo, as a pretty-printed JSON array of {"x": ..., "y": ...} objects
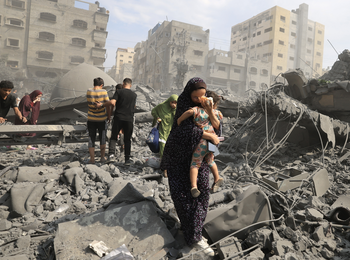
[
  {"x": 29, "y": 106},
  {"x": 124, "y": 101},
  {"x": 97, "y": 118},
  {"x": 176, "y": 160},
  {"x": 206, "y": 118},
  {"x": 7, "y": 101},
  {"x": 164, "y": 113}
]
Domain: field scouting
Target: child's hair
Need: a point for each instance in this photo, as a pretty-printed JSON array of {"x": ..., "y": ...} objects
[{"x": 216, "y": 97}]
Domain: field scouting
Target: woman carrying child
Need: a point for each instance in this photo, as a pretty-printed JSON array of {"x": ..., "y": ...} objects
[{"x": 207, "y": 119}]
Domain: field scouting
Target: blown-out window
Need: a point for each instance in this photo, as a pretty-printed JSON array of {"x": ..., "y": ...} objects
[
  {"x": 252, "y": 83},
  {"x": 80, "y": 24},
  {"x": 12, "y": 64},
  {"x": 79, "y": 42},
  {"x": 48, "y": 17},
  {"x": 46, "y": 36},
  {"x": 253, "y": 70},
  {"x": 45, "y": 55},
  {"x": 77, "y": 59}
]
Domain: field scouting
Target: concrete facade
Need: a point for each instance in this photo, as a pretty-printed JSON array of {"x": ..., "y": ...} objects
[
  {"x": 47, "y": 38},
  {"x": 283, "y": 40},
  {"x": 173, "y": 53}
]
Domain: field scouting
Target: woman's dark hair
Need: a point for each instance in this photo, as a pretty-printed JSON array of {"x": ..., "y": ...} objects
[
  {"x": 196, "y": 86},
  {"x": 216, "y": 97},
  {"x": 118, "y": 86}
]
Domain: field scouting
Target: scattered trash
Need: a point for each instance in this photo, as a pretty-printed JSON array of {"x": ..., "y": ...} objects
[
  {"x": 153, "y": 162},
  {"x": 121, "y": 253},
  {"x": 99, "y": 247}
]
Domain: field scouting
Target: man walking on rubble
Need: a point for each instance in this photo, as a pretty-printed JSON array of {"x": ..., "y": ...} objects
[
  {"x": 7, "y": 101},
  {"x": 124, "y": 101}
]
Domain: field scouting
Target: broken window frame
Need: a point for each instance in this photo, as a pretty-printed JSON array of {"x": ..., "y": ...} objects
[
  {"x": 198, "y": 52},
  {"x": 45, "y": 55},
  {"x": 49, "y": 17},
  {"x": 77, "y": 23},
  {"x": 13, "y": 64},
  {"x": 80, "y": 42},
  {"x": 46, "y": 36}
]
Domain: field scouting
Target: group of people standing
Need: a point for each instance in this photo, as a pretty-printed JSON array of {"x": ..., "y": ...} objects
[
  {"x": 99, "y": 114},
  {"x": 27, "y": 111}
]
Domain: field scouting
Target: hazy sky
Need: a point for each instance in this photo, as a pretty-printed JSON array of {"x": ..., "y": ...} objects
[{"x": 130, "y": 20}]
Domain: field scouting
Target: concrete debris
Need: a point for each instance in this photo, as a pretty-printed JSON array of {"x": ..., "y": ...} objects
[{"x": 285, "y": 196}]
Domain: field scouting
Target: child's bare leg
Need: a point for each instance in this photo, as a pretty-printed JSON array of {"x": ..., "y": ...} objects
[
  {"x": 218, "y": 181},
  {"x": 193, "y": 177},
  {"x": 214, "y": 170}
]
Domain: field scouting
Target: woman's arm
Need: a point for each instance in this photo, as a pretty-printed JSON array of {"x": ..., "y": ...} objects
[{"x": 184, "y": 116}]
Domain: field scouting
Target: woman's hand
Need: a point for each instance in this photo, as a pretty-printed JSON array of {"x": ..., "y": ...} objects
[{"x": 36, "y": 100}]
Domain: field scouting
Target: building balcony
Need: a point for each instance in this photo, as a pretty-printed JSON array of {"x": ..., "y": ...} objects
[
  {"x": 99, "y": 36},
  {"x": 98, "y": 53},
  {"x": 218, "y": 74},
  {"x": 221, "y": 59}
]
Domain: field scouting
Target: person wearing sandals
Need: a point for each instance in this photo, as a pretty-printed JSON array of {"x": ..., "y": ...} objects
[
  {"x": 207, "y": 121},
  {"x": 97, "y": 118},
  {"x": 29, "y": 106},
  {"x": 176, "y": 160}
]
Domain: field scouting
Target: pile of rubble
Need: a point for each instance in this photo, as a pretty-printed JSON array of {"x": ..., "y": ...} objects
[
  {"x": 286, "y": 193},
  {"x": 52, "y": 205}
]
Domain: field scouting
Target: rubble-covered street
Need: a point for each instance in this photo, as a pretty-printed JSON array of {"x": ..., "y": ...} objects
[{"x": 286, "y": 193}]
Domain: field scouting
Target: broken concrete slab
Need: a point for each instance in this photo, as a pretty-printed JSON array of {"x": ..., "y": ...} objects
[
  {"x": 118, "y": 225},
  {"x": 97, "y": 174},
  {"x": 250, "y": 207},
  {"x": 321, "y": 182},
  {"x": 24, "y": 196},
  {"x": 37, "y": 174},
  {"x": 5, "y": 224},
  {"x": 283, "y": 182}
]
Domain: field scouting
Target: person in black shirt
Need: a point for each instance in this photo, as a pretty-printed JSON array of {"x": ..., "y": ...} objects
[
  {"x": 7, "y": 101},
  {"x": 124, "y": 101}
]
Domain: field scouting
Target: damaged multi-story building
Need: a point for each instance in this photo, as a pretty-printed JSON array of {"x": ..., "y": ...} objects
[
  {"x": 123, "y": 67},
  {"x": 44, "y": 39},
  {"x": 278, "y": 40},
  {"x": 173, "y": 53}
]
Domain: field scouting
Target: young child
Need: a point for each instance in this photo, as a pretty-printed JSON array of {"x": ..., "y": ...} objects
[{"x": 207, "y": 123}]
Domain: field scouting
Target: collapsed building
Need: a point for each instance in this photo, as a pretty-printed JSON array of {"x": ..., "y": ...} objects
[{"x": 285, "y": 196}]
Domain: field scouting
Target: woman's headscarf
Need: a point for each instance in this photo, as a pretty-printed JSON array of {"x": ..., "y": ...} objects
[
  {"x": 186, "y": 137},
  {"x": 27, "y": 106},
  {"x": 165, "y": 111}
]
